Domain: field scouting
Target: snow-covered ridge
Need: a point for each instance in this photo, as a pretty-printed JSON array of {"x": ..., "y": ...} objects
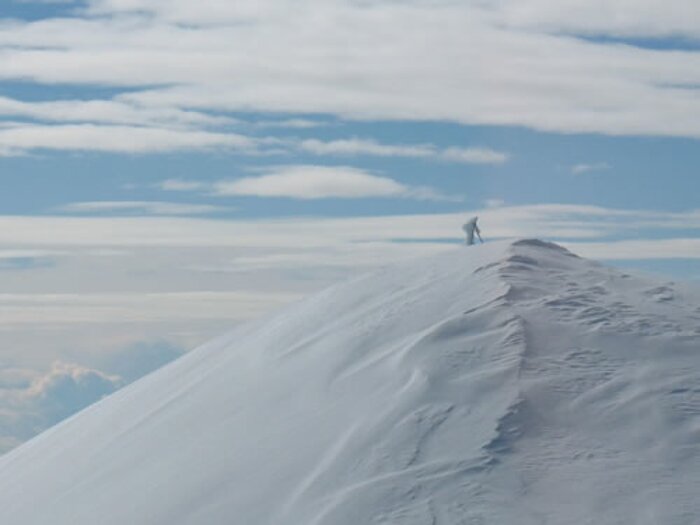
[{"x": 510, "y": 382}]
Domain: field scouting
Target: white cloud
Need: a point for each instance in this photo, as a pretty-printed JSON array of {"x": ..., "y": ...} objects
[
  {"x": 499, "y": 62},
  {"x": 357, "y": 146},
  {"x": 40, "y": 400},
  {"x": 321, "y": 182},
  {"x": 141, "y": 207},
  {"x": 357, "y": 256},
  {"x": 474, "y": 155},
  {"x": 67, "y": 388},
  {"x": 46, "y": 310},
  {"x": 292, "y": 123},
  {"x": 107, "y": 112},
  {"x": 365, "y": 147},
  {"x": 579, "y": 169},
  {"x": 28, "y": 253},
  {"x": 32, "y": 400},
  {"x": 612, "y": 17},
  {"x": 115, "y": 139}
]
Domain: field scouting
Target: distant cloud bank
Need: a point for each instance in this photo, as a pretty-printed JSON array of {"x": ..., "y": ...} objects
[{"x": 31, "y": 402}]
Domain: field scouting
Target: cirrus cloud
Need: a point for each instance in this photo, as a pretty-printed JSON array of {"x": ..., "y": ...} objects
[
  {"x": 580, "y": 169},
  {"x": 106, "y": 112},
  {"x": 357, "y": 146},
  {"x": 21, "y": 138},
  {"x": 141, "y": 208},
  {"x": 497, "y": 62}
]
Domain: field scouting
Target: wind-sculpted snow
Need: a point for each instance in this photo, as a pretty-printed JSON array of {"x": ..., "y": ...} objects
[{"x": 503, "y": 383}]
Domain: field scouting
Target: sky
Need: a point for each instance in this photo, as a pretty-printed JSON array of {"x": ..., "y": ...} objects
[{"x": 170, "y": 169}]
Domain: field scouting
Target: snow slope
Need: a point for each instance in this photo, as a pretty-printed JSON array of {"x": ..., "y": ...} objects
[{"x": 510, "y": 382}]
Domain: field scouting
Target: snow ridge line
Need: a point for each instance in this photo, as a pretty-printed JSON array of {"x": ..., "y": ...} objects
[{"x": 510, "y": 426}]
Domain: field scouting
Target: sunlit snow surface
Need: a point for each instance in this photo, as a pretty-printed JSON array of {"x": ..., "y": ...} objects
[{"x": 505, "y": 383}]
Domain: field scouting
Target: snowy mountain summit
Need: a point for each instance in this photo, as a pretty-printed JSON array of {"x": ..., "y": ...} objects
[{"x": 504, "y": 383}]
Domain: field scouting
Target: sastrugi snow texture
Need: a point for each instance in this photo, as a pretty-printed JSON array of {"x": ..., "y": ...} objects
[{"x": 510, "y": 382}]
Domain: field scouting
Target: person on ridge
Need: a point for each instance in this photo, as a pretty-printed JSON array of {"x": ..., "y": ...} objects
[{"x": 470, "y": 228}]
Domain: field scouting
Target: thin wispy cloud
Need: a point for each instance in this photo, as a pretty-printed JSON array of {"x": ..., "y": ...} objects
[
  {"x": 473, "y": 155},
  {"x": 142, "y": 133},
  {"x": 292, "y": 123},
  {"x": 580, "y": 169},
  {"x": 116, "y": 139},
  {"x": 141, "y": 207},
  {"x": 28, "y": 253},
  {"x": 107, "y": 112},
  {"x": 353, "y": 147},
  {"x": 50, "y": 309},
  {"x": 356, "y": 147},
  {"x": 558, "y": 221}
]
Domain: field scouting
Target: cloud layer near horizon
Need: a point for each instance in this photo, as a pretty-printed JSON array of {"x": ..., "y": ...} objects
[
  {"x": 552, "y": 221},
  {"x": 32, "y": 401}
]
